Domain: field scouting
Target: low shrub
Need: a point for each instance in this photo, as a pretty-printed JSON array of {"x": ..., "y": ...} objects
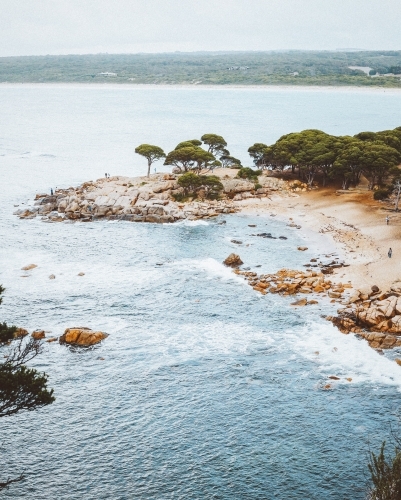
[
  {"x": 382, "y": 193},
  {"x": 258, "y": 186},
  {"x": 193, "y": 185},
  {"x": 248, "y": 173}
]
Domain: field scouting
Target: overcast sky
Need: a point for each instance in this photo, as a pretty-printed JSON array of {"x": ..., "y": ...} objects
[{"x": 30, "y": 27}]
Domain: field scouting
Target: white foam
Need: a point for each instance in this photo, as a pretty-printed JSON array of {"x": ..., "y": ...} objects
[
  {"x": 191, "y": 223},
  {"x": 344, "y": 356},
  {"x": 210, "y": 266}
]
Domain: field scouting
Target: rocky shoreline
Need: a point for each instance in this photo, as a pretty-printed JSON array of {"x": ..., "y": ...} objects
[
  {"x": 142, "y": 199},
  {"x": 375, "y": 315}
]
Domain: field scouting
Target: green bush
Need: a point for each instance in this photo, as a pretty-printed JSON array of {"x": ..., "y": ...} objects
[
  {"x": 248, "y": 173},
  {"x": 6, "y": 333},
  {"x": 381, "y": 194},
  {"x": 258, "y": 186},
  {"x": 192, "y": 184}
]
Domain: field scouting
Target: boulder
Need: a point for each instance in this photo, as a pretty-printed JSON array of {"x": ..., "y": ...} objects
[
  {"x": 82, "y": 336},
  {"x": 300, "y": 302},
  {"x": 52, "y": 277},
  {"x": 302, "y": 249},
  {"x": 38, "y": 334},
  {"x": 375, "y": 289},
  {"x": 81, "y": 274},
  {"x": 233, "y": 260}
]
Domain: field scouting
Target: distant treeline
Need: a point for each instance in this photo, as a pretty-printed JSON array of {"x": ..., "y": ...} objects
[{"x": 241, "y": 68}]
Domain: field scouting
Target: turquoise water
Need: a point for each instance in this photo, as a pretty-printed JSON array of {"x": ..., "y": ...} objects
[{"x": 207, "y": 389}]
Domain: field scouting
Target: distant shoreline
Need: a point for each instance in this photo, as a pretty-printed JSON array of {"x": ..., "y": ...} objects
[{"x": 262, "y": 87}]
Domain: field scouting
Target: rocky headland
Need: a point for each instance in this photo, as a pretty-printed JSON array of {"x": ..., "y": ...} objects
[{"x": 142, "y": 199}]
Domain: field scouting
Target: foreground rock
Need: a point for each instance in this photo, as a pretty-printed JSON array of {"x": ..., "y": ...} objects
[
  {"x": 233, "y": 260},
  {"x": 375, "y": 316},
  {"x": 82, "y": 336}
]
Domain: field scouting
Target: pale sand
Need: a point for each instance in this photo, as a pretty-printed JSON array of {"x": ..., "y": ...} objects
[{"x": 356, "y": 225}]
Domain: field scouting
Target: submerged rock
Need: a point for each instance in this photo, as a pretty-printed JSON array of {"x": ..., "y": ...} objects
[
  {"x": 29, "y": 267},
  {"x": 82, "y": 336}
]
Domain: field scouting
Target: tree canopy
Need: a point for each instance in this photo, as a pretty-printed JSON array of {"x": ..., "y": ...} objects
[
  {"x": 312, "y": 152},
  {"x": 151, "y": 153}
]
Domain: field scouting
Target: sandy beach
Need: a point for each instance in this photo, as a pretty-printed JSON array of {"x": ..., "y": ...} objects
[{"x": 356, "y": 225}]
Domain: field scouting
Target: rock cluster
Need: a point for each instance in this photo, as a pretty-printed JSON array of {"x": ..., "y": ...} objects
[
  {"x": 290, "y": 282},
  {"x": 375, "y": 316},
  {"x": 82, "y": 336},
  {"x": 143, "y": 200},
  {"x": 233, "y": 260}
]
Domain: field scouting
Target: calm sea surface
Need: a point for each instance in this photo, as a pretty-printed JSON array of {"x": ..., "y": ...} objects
[{"x": 207, "y": 389}]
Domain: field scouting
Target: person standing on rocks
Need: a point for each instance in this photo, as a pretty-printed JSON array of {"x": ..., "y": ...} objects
[
  {"x": 389, "y": 253},
  {"x": 387, "y": 219}
]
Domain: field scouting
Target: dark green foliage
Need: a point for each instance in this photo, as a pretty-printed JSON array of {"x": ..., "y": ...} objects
[
  {"x": 190, "y": 157},
  {"x": 385, "y": 475},
  {"x": 248, "y": 173},
  {"x": 381, "y": 194},
  {"x": 192, "y": 142},
  {"x": 312, "y": 152},
  {"x": 6, "y": 333},
  {"x": 245, "y": 68},
  {"x": 258, "y": 186},
  {"x": 193, "y": 185},
  {"x": 22, "y": 388}
]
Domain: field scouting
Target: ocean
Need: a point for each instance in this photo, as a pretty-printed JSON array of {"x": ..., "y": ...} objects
[{"x": 204, "y": 388}]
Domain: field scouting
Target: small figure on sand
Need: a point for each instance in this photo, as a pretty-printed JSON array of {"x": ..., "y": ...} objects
[
  {"x": 389, "y": 253},
  {"x": 387, "y": 219},
  {"x": 105, "y": 175}
]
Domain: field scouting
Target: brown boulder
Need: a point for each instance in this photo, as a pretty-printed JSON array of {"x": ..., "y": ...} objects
[
  {"x": 300, "y": 302},
  {"x": 302, "y": 249},
  {"x": 38, "y": 334},
  {"x": 82, "y": 336},
  {"x": 233, "y": 260}
]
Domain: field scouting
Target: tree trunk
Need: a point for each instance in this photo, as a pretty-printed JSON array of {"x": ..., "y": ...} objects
[{"x": 149, "y": 165}]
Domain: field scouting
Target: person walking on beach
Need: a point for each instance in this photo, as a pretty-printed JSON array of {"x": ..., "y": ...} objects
[
  {"x": 389, "y": 253},
  {"x": 387, "y": 219},
  {"x": 51, "y": 191},
  {"x": 105, "y": 175}
]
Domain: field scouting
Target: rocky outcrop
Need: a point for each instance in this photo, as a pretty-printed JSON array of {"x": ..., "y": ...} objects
[
  {"x": 233, "y": 260},
  {"x": 145, "y": 199},
  {"x": 291, "y": 282},
  {"x": 82, "y": 336},
  {"x": 376, "y": 316}
]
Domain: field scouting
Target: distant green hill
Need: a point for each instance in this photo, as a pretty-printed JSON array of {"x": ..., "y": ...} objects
[{"x": 209, "y": 68}]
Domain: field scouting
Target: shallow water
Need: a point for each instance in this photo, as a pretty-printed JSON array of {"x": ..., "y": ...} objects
[{"x": 207, "y": 389}]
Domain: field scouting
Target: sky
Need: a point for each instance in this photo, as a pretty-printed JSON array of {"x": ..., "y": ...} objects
[{"x": 39, "y": 27}]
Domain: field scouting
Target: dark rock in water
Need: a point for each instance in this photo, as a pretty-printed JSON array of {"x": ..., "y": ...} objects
[
  {"x": 222, "y": 222},
  {"x": 251, "y": 225},
  {"x": 313, "y": 260},
  {"x": 266, "y": 235},
  {"x": 246, "y": 268},
  {"x": 283, "y": 238},
  {"x": 259, "y": 265},
  {"x": 233, "y": 260},
  {"x": 237, "y": 242}
]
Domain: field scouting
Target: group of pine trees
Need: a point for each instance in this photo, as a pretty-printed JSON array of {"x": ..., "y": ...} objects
[{"x": 310, "y": 154}]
